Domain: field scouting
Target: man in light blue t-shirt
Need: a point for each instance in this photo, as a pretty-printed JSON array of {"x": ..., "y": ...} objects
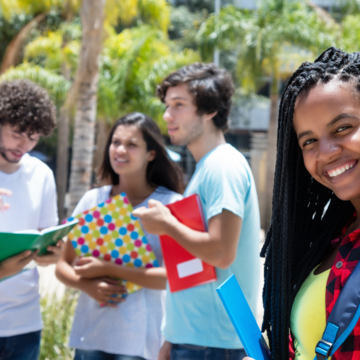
[{"x": 198, "y": 101}]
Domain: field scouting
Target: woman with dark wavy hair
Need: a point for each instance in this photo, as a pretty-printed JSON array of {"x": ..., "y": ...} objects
[
  {"x": 314, "y": 240},
  {"x": 135, "y": 162}
]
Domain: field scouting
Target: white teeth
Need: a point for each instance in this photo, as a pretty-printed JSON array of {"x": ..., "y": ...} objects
[{"x": 339, "y": 171}]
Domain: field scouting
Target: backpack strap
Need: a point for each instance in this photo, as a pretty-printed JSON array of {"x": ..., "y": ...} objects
[{"x": 343, "y": 318}]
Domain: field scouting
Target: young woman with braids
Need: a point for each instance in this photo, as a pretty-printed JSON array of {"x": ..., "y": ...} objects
[{"x": 314, "y": 240}]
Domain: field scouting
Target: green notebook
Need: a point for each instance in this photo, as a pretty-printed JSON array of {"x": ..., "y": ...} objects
[{"x": 17, "y": 242}]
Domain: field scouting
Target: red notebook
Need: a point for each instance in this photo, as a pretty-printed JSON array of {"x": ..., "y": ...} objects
[{"x": 183, "y": 269}]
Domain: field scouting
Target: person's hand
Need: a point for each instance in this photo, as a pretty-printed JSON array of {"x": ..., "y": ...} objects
[
  {"x": 90, "y": 267},
  {"x": 16, "y": 263},
  {"x": 164, "y": 353},
  {"x": 248, "y": 358},
  {"x": 45, "y": 260},
  {"x": 4, "y": 206},
  {"x": 104, "y": 291},
  {"x": 156, "y": 219}
]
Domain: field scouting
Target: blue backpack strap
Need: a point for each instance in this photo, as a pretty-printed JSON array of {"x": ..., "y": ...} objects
[{"x": 343, "y": 318}]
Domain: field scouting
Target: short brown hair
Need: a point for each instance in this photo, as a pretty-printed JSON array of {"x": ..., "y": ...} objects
[
  {"x": 211, "y": 87},
  {"x": 26, "y": 106}
]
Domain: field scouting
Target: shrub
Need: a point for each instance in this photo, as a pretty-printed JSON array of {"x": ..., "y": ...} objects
[{"x": 57, "y": 316}]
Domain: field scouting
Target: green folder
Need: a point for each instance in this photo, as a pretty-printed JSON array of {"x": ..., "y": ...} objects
[{"x": 17, "y": 242}]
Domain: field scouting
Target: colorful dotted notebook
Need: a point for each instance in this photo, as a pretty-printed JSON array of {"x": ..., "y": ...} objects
[{"x": 110, "y": 231}]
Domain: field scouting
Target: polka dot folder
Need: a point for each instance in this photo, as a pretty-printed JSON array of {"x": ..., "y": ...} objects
[{"x": 109, "y": 231}]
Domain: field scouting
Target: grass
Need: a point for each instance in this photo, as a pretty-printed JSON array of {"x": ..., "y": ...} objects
[{"x": 57, "y": 316}]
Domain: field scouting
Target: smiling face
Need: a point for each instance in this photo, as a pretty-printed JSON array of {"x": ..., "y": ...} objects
[
  {"x": 128, "y": 151},
  {"x": 14, "y": 144},
  {"x": 327, "y": 124},
  {"x": 183, "y": 122}
]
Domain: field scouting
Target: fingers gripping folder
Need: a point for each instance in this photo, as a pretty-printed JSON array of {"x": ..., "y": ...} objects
[{"x": 243, "y": 319}]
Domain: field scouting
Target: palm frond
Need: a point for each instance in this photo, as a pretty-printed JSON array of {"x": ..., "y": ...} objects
[
  {"x": 262, "y": 37},
  {"x": 351, "y": 32},
  {"x": 132, "y": 64},
  {"x": 223, "y": 31},
  {"x": 51, "y": 51},
  {"x": 47, "y": 48},
  {"x": 151, "y": 12},
  {"x": 123, "y": 10},
  {"x": 56, "y": 85},
  {"x": 155, "y": 13}
]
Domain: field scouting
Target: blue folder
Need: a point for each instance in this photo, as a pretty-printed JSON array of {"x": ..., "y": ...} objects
[{"x": 243, "y": 319}]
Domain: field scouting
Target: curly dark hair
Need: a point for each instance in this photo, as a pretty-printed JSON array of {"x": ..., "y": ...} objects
[
  {"x": 211, "y": 87},
  {"x": 27, "y": 107},
  {"x": 306, "y": 215}
]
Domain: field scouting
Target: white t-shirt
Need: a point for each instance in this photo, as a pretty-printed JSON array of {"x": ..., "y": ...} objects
[
  {"x": 32, "y": 206},
  {"x": 133, "y": 328}
]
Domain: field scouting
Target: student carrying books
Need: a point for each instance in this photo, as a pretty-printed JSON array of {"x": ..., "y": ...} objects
[
  {"x": 26, "y": 114},
  {"x": 135, "y": 162},
  {"x": 198, "y": 102},
  {"x": 313, "y": 244}
]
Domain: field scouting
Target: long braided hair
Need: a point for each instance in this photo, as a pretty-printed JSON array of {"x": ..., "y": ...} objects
[{"x": 306, "y": 215}]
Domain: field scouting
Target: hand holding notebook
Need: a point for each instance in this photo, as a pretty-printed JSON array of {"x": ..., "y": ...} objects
[
  {"x": 15, "y": 264},
  {"x": 17, "y": 242},
  {"x": 19, "y": 248},
  {"x": 183, "y": 269},
  {"x": 110, "y": 232}
]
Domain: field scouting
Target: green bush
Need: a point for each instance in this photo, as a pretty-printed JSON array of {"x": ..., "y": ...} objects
[{"x": 57, "y": 316}]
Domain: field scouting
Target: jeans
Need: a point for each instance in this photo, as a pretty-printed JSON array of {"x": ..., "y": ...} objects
[
  {"x": 194, "y": 352},
  {"x": 20, "y": 347},
  {"x": 100, "y": 355}
]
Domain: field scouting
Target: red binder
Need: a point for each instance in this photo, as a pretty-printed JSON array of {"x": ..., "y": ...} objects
[{"x": 183, "y": 269}]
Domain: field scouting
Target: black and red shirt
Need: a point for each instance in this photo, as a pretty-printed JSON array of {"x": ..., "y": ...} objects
[{"x": 345, "y": 261}]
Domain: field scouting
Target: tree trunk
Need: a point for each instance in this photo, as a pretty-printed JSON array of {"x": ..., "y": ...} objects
[
  {"x": 86, "y": 81},
  {"x": 271, "y": 158},
  {"x": 12, "y": 52},
  {"x": 62, "y": 151},
  {"x": 102, "y": 133},
  {"x": 62, "y": 155}
]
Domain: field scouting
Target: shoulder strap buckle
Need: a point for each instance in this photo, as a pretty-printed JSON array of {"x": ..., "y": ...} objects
[{"x": 323, "y": 349}]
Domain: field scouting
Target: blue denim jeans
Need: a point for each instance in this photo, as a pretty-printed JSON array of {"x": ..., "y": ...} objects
[
  {"x": 194, "y": 352},
  {"x": 100, "y": 355},
  {"x": 20, "y": 347}
]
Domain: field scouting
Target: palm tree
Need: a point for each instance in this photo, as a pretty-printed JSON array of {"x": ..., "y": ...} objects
[
  {"x": 264, "y": 40},
  {"x": 84, "y": 90},
  {"x": 131, "y": 64},
  {"x": 126, "y": 77},
  {"x": 59, "y": 52},
  {"x": 38, "y": 10}
]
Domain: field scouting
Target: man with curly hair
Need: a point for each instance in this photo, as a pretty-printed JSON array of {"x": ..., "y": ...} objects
[
  {"x": 198, "y": 102},
  {"x": 26, "y": 114}
]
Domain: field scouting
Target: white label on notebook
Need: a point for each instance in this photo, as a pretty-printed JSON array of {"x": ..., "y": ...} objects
[{"x": 190, "y": 267}]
